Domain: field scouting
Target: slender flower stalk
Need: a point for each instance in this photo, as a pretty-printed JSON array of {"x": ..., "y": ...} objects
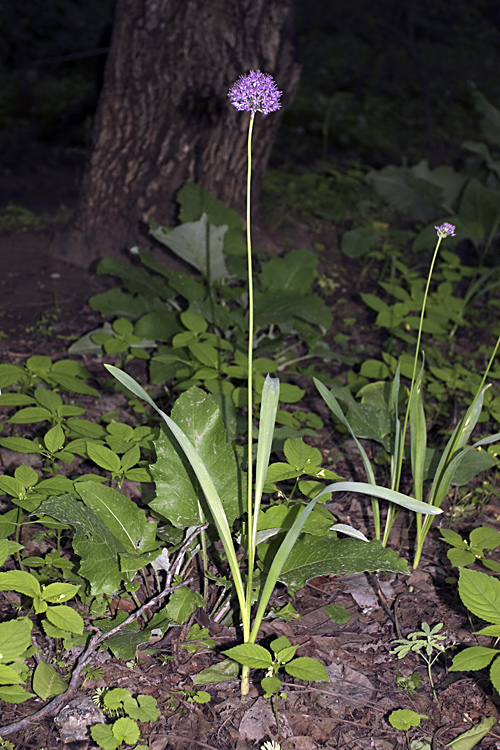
[
  {"x": 255, "y": 92},
  {"x": 443, "y": 230}
]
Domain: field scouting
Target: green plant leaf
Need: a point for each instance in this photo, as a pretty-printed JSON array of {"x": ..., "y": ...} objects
[
  {"x": 21, "y": 581},
  {"x": 47, "y": 682},
  {"x": 404, "y": 719},
  {"x": 182, "y": 604},
  {"x": 8, "y": 548},
  {"x": 480, "y": 593},
  {"x": 103, "y": 735},
  {"x": 484, "y": 537},
  {"x": 313, "y": 556},
  {"x": 15, "y": 638},
  {"x": 56, "y": 593},
  {"x": 126, "y": 730},
  {"x": 104, "y": 457},
  {"x": 198, "y": 243},
  {"x": 22, "y": 445},
  {"x": 66, "y": 619},
  {"x": 495, "y": 674},
  {"x": 305, "y": 668},
  {"x": 15, "y": 694},
  {"x": 473, "y": 658},
  {"x": 469, "y": 739},
  {"x": 221, "y": 672},
  {"x": 251, "y": 655},
  {"x": 120, "y": 515},
  {"x": 54, "y": 439},
  {"x": 460, "y": 558},
  {"x": 9, "y": 676},
  {"x": 301, "y": 456},
  {"x": 93, "y": 542},
  {"x": 178, "y": 494},
  {"x": 146, "y": 710}
]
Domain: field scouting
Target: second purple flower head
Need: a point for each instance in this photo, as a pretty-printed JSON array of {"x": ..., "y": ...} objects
[{"x": 255, "y": 92}]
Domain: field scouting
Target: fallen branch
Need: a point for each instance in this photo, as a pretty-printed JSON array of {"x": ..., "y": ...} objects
[{"x": 51, "y": 708}]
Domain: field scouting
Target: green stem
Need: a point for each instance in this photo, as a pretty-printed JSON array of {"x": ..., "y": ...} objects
[{"x": 250, "y": 520}]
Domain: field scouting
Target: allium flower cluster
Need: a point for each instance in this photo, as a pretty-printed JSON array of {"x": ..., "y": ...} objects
[
  {"x": 255, "y": 92},
  {"x": 445, "y": 230}
]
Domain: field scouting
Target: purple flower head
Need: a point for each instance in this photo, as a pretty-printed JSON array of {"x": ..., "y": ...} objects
[
  {"x": 445, "y": 230},
  {"x": 255, "y": 92}
]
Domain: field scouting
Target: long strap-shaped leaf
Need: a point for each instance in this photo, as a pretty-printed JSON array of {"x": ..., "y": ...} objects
[{"x": 205, "y": 480}]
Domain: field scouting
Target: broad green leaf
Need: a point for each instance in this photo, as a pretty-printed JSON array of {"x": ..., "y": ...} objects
[
  {"x": 251, "y": 655},
  {"x": 93, "y": 542},
  {"x": 104, "y": 457},
  {"x": 313, "y": 556},
  {"x": 15, "y": 638},
  {"x": 473, "y": 658},
  {"x": 178, "y": 494},
  {"x": 404, "y": 719},
  {"x": 469, "y": 739},
  {"x": 22, "y": 445},
  {"x": 221, "y": 672},
  {"x": 9, "y": 676},
  {"x": 280, "y": 643},
  {"x": 56, "y": 593},
  {"x": 20, "y": 581},
  {"x": 306, "y": 668},
  {"x": 295, "y": 272},
  {"x": 10, "y": 374},
  {"x": 8, "y": 548},
  {"x": 126, "y": 730},
  {"x": 472, "y": 464},
  {"x": 484, "y": 537},
  {"x": 124, "y": 645},
  {"x": 495, "y": 674},
  {"x": 16, "y": 399},
  {"x": 460, "y": 558},
  {"x": 47, "y": 682},
  {"x": 103, "y": 735},
  {"x": 48, "y": 399},
  {"x": 480, "y": 593},
  {"x": 15, "y": 694},
  {"x": 147, "y": 709},
  {"x": 31, "y": 415},
  {"x": 270, "y": 685},
  {"x": 301, "y": 456},
  {"x": 65, "y": 618},
  {"x": 182, "y": 603},
  {"x": 54, "y": 439},
  {"x": 120, "y": 515},
  {"x": 198, "y": 243},
  {"x": 115, "y": 699},
  {"x": 131, "y": 457}
]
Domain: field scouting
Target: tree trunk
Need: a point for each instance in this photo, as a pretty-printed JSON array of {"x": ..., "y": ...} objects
[{"x": 164, "y": 117}]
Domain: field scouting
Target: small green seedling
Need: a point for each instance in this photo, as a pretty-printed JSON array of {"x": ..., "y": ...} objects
[
  {"x": 423, "y": 642},
  {"x": 119, "y": 702},
  {"x": 194, "y": 696},
  {"x": 410, "y": 684},
  {"x": 281, "y": 656},
  {"x": 464, "y": 553},
  {"x": 198, "y": 640},
  {"x": 405, "y": 719}
]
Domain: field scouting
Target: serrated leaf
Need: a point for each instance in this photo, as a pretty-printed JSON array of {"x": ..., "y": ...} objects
[
  {"x": 15, "y": 638},
  {"x": 460, "y": 558},
  {"x": 9, "y": 676},
  {"x": 56, "y": 593},
  {"x": 305, "y": 668},
  {"x": 54, "y": 439},
  {"x": 15, "y": 694},
  {"x": 480, "y": 593},
  {"x": 473, "y": 658},
  {"x": 251, "y": 655},
  {"x": 22, "y": 445},
  {"x": 66, "y": 619},
  {"x": 31, "y": 415},
  {"x": 21, "y": 581},
  {"x": 301, "y": 456},
  {"x": 104, "y": 457},
  {"x": 182, "y": 603},
  {"x": 47, "y": 682}
]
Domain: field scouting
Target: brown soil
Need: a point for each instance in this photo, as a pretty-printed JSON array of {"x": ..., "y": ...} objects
[{"x": 351, "y": 711}]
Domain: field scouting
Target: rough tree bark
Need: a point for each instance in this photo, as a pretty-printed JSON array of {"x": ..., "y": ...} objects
[{"x": 164, "y": 117}]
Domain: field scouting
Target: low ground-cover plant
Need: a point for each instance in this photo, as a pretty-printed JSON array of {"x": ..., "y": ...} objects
[
  {"x": 464, "y": 553},
  {"x": 427, "y": 643}
]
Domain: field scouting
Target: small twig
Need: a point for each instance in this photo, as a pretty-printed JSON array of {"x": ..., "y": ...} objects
[{"x": 52, "y": 707}]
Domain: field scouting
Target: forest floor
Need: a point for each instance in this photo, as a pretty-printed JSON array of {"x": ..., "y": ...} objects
[{"x": 43, "y": 307}]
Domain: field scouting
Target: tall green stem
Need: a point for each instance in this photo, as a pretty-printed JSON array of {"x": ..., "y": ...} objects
[
  {"x": 250, "y": 519},
  {"x": 391, "y": 513}
]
